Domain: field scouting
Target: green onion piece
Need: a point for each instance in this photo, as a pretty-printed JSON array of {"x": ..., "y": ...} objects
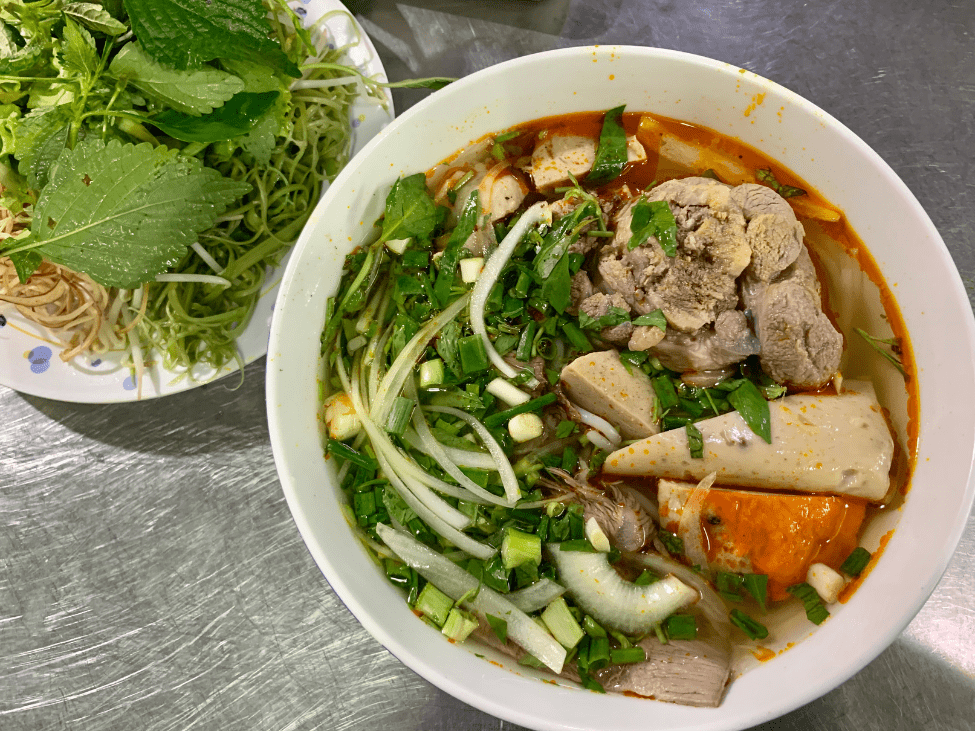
[
  {"x": 816, "y": 612},
  {"x": 434, "y": 604},
  {"x": 576, "y": 337},
  {"x": 666, "y": 393},
  {"x": 757, "y": 586},
  {"x": 473, "y": 356},
  {"x": 674, "y": 421},
  {"x": 598, "y": 652},
  {"x": 344, "y": 451},
  {"x": 536, "y": 404},
  {"x": 431, "y": 373},
  {"x": 459, "y": 624},
  {"x": 646, "y": 578},
  {"x": 627, "y": 655},
  {"x": 400, "y": 415},
  {"x": 518, "y": 548},
  {"x": 524, "y": 350},
  {"x": 520, "y": 290},
  {"x": 364, "y": 504},
  {"x": 530, "y": 661},
  {"x": 680, "y": 627},
  {"x": 856, "y": 562},
  {"x": 592, "y": 627},
  {"x": 499, "y": 626},
  {"x": 695, "y": 441},
  {"x": 754, "y": 630},
  {"x": 562, "y": 624}
]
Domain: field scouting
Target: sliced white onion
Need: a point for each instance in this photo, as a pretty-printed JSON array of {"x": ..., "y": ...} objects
[
  {"x": 597, "y": 422},
  {"x": 460, "y": 457},
  {"x": 690, "y": 527},
  {"x": 489, "y": 275},
  {"x": 536, "y": 596},
  {"x": 507, "y": 392},
  {"x": 453, "y": 581},
  {"x": 402, "y": 367},
  {"x": 710, "y": 604},
  {"x": 597, "y": 589},
  {"x": 507, "y": 472},
  {"x": 432, "y": 447}
]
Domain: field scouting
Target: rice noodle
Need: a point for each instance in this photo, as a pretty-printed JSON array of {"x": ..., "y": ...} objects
[
  {"x": 64, "y": 302},
  {"x": 599, "y": 423}
]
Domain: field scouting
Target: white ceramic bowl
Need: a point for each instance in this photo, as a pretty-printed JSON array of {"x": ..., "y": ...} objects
[{"x": 803, "y": 138}]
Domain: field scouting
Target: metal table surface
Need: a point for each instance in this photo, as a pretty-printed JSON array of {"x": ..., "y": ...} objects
[{"x": 150, "y": 573}]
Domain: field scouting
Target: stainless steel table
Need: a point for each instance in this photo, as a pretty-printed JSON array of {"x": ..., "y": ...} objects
[{"x": 150, "y": 573}]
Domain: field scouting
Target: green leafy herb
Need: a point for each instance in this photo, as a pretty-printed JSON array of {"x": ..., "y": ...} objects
[
  {"x": 816, "y": 612},
  {"x": 754, "y": 409},
  {"x": 196, "y": 92},
  {"x": 856, "y": 562},
  {"x": 615, "y": 316},
  {"x": 557, "y": 288},
  {"x": 94, "y": 17},
  {"x": 893, "y": 355},
  {"x": 653, "y": 218},
  {"x": 455, "y": 245},
  {"x": 695, "y": 441},
  {"x": 447, "y": 347},
  {"x": 754, "y": 630},
  {"x": 611, "y": 152},
  {"x": 757, "y": 586},
  {"x": 186, "y": 33},
  {"x": 786, "y": 191},
  {"x": 500, "y": 627},
  {"x": 235, "y": 118},
  {"x": 564, "y": 429},
  {"x": 672, "y": 542},
  {"x": 410, "y": 211},
  {"x": 124, "y": 213},
  {"x": 653, "y": 319}
]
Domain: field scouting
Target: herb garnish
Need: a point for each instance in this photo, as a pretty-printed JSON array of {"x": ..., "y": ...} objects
[
  {"x": 611, "y": 153},
  {"x": 893, "y": 355},
  {"x": 766, "y": 176},
  {"x": 653, "y": 218}
]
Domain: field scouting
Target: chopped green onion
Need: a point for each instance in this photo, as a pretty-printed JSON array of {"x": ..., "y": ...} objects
[
  {"x": 520, "y": 290},
  {"x": 431, "y": 373},
  {"x": 399, "y": 415},
  {"x": 560, "y": 622},
  {"x": 666, "y": 393},
  {"x": 434, "y": 604},
  {"x": 576, "y": 337},
  {"x": 754, "y": 630},
  {"x": 344, "y": 451},
  {"x": 592, "y": 627},
  {"x": 459, "y": 624},
  {"x": 816, "y": 611},
  {"x": 856, "y": 562},
  {"x": 472, "y": 353},
  {"x": 518, "y": 548},
  {"x": 680, "y": 627},
  {"x": 536, "y": 404},
  {"x": 524, "y": 350},
  {"x": 627, "y": 655}
]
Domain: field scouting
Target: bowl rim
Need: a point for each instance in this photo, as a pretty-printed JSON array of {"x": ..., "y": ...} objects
[{"x": 530, "y": 718}]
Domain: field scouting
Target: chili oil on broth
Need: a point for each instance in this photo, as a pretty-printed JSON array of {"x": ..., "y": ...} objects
[{"x": 855, "y": 295}]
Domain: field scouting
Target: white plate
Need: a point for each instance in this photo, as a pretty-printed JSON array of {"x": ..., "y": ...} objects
[{"x": 29, "y": 359}]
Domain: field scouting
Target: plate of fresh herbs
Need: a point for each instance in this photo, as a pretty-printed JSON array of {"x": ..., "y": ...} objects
[{"x": 157, "y": 160}]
